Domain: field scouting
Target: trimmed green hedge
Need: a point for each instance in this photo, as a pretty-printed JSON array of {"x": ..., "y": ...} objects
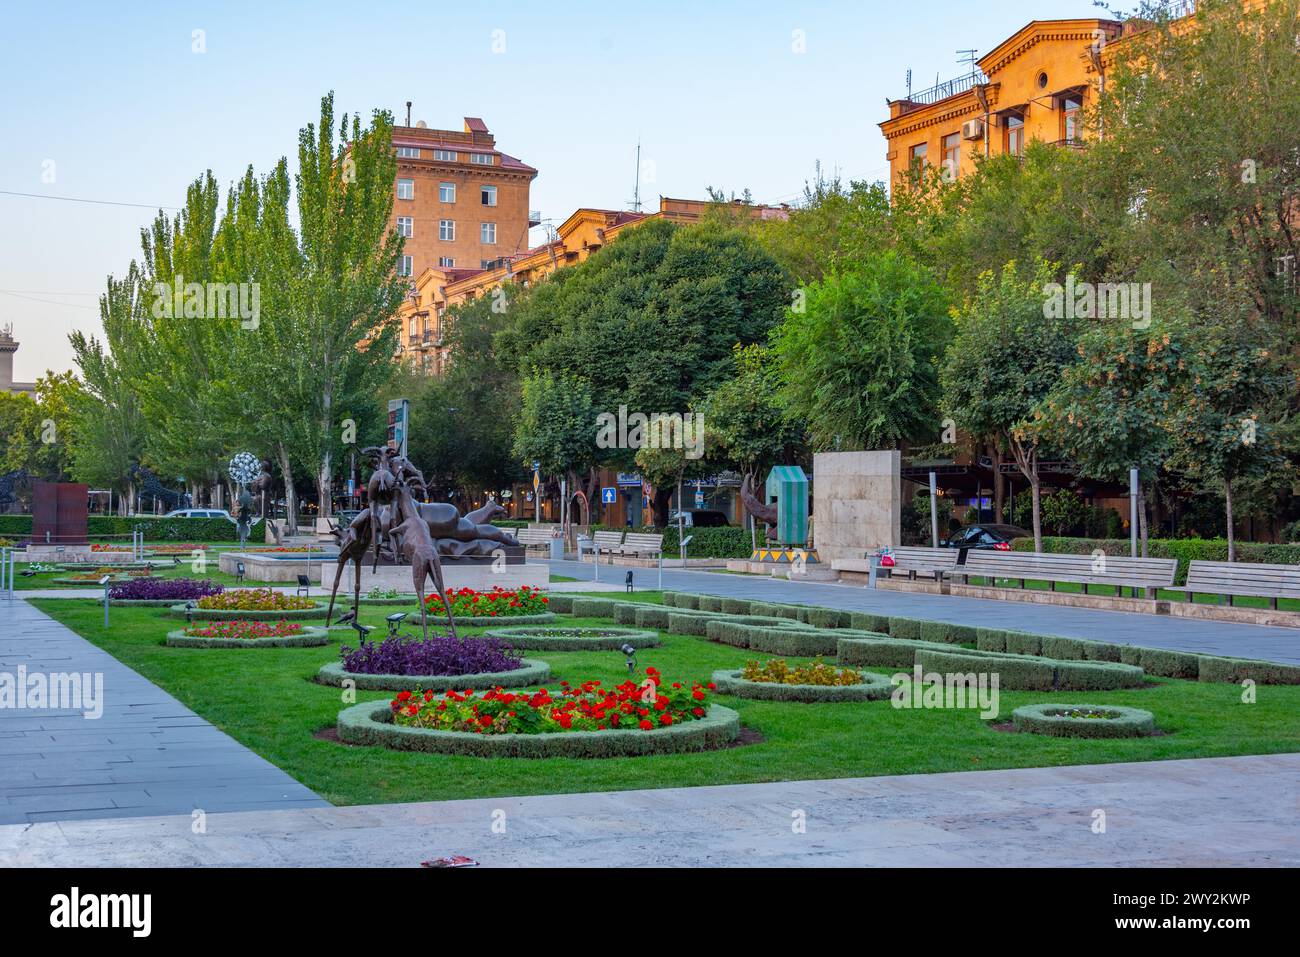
[
  {"x": 307, "y": 638},
  {"x": 1020, "y": 673},
  {"x": 1162, "y": 661},
  {"x": 1047, "y": 719},
  {"x": 532, "y": 672},
  {"x": 588, "y": 639},
  {"x": 1237, "y": 670},
  {"x": 869, "y": 621},
  {"x": 881, "y": 651},
  {"x": 155, "y": 529},
  {"x": 946, "y": 633},
  {"x": 909, "y": 629},
  {"x": 594, "y": 607},
  {"x": 871, "y": 688},
  {"x": 1184, "y": 549},
  {"x": 797, "y": 642},
  {"x": 371, "y": 723},
  {"x": 559, "y": 603}
]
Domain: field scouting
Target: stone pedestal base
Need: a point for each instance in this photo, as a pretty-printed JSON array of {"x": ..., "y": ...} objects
[{"x": 55, "y": 553}]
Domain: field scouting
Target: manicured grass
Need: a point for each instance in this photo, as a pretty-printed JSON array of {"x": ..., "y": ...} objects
[{"x": 267, "y": 700}]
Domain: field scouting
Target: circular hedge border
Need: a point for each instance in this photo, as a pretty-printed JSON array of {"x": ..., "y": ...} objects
[
  {"x": 546, "y": 639},
  {"x": 872, "y": 688},
  {"x": 307, "y": 638},
  {"x": 371, "y": 723},
  {"x": 532, "y": 672},
  {"x": 233, "y": 614},
  {"x": 1039, "y": 719},
  {"x": 464, "y": 621}
]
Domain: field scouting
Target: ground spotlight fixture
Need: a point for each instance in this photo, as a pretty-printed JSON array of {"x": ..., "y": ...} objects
[
  {"x": 628, "y": 581},
  {"x": 394, "y": 621},
  {"x": 189, "y": 612},
  {"x": 630, "y": 652}
]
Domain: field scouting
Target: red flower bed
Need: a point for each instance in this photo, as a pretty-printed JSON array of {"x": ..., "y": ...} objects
[
  {"x": 587, "y": 707},
  {"x": 250, "y": 630},
  {"x": 497, "y": 603}
]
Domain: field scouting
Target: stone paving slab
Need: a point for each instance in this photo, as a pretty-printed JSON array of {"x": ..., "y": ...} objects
[
  {"x": 146, "y": 755},
  {"x": 1153, "y": 631},
  {"x": 1236, "y": 812}
]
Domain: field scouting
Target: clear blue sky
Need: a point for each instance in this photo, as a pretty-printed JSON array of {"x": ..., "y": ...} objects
[{"x": 113, "y": 94}]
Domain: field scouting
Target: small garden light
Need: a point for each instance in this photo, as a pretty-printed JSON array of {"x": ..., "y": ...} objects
[
  {"x": 239, "y": 571},
  {"x": 189, "y": 612},
  {"x": 628, "y": 581},
  {"x": 394, "y": 622},
  {"x": 630, "y": 652}
]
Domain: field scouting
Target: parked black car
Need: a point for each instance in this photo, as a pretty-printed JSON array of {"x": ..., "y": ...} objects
[{"x": 985, "y": 536}]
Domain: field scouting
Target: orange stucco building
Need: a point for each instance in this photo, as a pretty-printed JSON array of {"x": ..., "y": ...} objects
[{"x": 437, "y": 289}]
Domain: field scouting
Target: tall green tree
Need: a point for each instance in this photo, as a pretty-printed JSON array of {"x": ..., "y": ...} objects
[
  {"x": 1008, "y": 353},
  {"x": 859, "y": 356}
]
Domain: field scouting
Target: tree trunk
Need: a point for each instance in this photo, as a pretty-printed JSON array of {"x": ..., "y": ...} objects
[
  {"x": 663, "y": 498},
  {"x": 290, "y": 498},
  {"x": 1036, "y": 488},
  {"x": 1227, "y": 507},
  {"x": 324, "y": 499},
  {"x": 1142, "y": 517}
]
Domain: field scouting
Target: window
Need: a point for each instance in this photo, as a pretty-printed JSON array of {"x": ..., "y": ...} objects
[
  {"x": 482, "y": 159},
  {"x": 406, "y": 189},
  {"x": 1014, "y": 142},
  {"x": 448, "y": 156},
  {"x": 408, "y": 152},
  {"x": 916, "y": 155},
  {"x": 1286, "y": 272},
  {"x": 412, "y": 327},
  {"x": 446, "y": 262},
  {"x": 1070, "y": 107},
  {"x": 405, "y": 226},
  {"x": 447, "y": 230},
  {"x": 488, "y": 195},
  {"x": 404, "y": 266},
  {"x": 488, "y": 263},
  {"x": 951, "y": 155},
  {"x": 488, "y": 232},
  {"x": 446, "y": 192}
]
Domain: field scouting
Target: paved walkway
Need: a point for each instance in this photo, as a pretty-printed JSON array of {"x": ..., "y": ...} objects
[
  {"x": 1238, "y": 812},
  {"x": 1153, "y": 631},
  {"x": 146, "y": 755}
]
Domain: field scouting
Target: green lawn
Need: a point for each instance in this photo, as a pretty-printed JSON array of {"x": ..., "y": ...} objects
[{"x": 267, "y": 700}]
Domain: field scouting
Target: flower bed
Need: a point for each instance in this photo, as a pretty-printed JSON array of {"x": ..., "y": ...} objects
[
  {"x": 247, "y": 634},
  {"x": 163, "y": 591},
  {"x": 574, "y": 639},
  {"x": 529, "y": 673},
  {"x": 254, "y": 599},
  {"x": 816, "y": 683},
  {"x": 389, "y": 596},
  {"x": 582, "y": 721},
  {"x": 523, "y": 602},
  {"x": 436, "y": 655},
  {"x": 1083, "y": 720}
]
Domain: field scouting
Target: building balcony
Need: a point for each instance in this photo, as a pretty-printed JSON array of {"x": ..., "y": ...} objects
[{"x": 941, "y": 91}]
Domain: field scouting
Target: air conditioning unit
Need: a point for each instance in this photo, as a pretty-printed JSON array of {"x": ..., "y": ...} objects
[{"x": 972, "y": 130}]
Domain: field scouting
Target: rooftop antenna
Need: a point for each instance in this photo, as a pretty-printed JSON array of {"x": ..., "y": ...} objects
[
  {"x": 636, "y": 192},
  {"x": 909, "y": 83},
  {"x": 967, "y": 57},
  {"x": 408, "y": 112}
]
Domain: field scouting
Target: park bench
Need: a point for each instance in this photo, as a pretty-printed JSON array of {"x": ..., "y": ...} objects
[
  {"x": 642, "y": 543},
  {"x": 534, "y": 537},
  {"x": 1148, "y": 574},
  {"x": 611, "y": 542},
  {"x": 1242, "y": 578}
]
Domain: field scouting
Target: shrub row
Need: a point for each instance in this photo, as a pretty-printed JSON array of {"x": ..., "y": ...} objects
[
  {"x": 371, "y": 723},
  {"x": 796, "y": 642},
  {"x": 870, "y": 688},
  {"x": 156, "y": 529},
  {"x": 1021, "y": 673},
  {"x": 1047, "y": 719},
  {"x": 307, "y": 638}
]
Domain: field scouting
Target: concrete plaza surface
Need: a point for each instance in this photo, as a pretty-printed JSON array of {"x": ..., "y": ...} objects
[
  {"x": 1153, "y": 631},
  {"x": 146, "y": 755},
  {"x": 1231, "y": 812}
]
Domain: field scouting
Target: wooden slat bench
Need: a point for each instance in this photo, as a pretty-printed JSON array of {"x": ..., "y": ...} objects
[
  {"x": 642, "y": 543},
  {"x": 1242, "y": 578},
  {"x": 534, "y": 537},
  {"x": 1148, "y": 574},
  {"x": 913, "y": 560},
  {"x": 611, "y": 542}
]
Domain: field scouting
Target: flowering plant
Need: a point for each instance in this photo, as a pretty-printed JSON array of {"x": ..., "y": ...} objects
[
  {"x": 244, "y": 629},
  {"x": 497, "y": 603},
  {"x": 177, "y": 549},
  {"x": 439, "y": 655},
  {"x": 776, "y": 671},
  {"x": 378, "y": 592},
  {"x": 153, "y": 589},
  {"x": 587, "y": 707},
  {"x": 255, "y": 599}
]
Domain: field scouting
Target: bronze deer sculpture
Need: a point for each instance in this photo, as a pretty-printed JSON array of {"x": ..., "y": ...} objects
[{"x": 353, "y": 543}]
